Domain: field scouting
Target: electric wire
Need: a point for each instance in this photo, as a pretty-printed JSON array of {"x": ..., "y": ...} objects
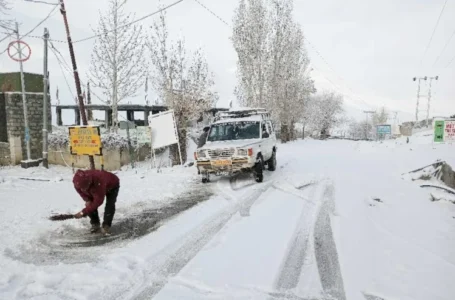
[
  {"x": 434, "y": 30},
  {"x": 131, "y": 23},
  {"x": 41, "y": 22},
  {"x": 444, "y": 48},
  {"x": 316, "y": 51}
]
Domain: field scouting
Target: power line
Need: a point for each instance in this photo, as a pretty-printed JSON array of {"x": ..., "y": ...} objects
[
  {"x": 63, "y": 73},
  {"x": 311, "y": 45},
  {"x": 434, "y": 30},
  {"x": 331, "y": 69},
  {"x": 43, "y": 2},
  {"x": 51, "y": 40},
  {"x": 129, "y": 24},
  {"x": 450, "y": 62},
  {"x": 7, "y": 28},
  {"x": 7, "y": 36},
  {"x": 210, "y": 11},
  {"x": 67, "y": 67},
  {"x": 443, "y": 49},
  {"x": 41, "y": 22}
]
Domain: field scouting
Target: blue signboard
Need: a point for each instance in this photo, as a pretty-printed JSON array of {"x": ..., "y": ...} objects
[{"x": 384, "y": 129}]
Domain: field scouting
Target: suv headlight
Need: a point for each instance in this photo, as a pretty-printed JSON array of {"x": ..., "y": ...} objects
[
  {"x": 242, "y": 152},
  {"x": 201, "y": 154}
]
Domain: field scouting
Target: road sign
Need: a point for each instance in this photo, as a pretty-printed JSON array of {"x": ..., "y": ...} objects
[
  {"x": 127, "y": 125},
  {"x": 85, "y": 140},
  {"x": 19, "y": 47},
  {"x": 449, "y": 130},
  {"x": 384, "y": 129},
  {"x": 439, "y": 131}
]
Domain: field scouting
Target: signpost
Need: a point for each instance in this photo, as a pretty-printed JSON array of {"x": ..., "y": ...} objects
[
  {"x": 164, "y": 131},
  {"x": 438, "y": 131},
  {"x": 383, "y": 130},
  {"x": 86, "y": 140},
  {"x": 449, "y": 131},
  {"x": 444, "y": 131},
  {"x": 128, "y": 125},
  {"x": 19, "y": 51}
]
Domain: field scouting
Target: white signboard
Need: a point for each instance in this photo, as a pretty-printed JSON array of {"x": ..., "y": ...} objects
[
  {"x": 164, "y": 131},
  {"x": 449, "y": 131}
]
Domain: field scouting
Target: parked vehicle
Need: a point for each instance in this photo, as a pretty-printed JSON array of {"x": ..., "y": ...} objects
[{"x": 238, "y": 141}]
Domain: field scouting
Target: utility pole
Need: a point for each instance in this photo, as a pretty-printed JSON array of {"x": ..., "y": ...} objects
[
  {"x": 418, "y": 95},
  {"x": 366, "y": 121},
  {"x": 46, "y": 90},
  {"x": 89, "y": 102},
  {"x": 76, "y": 75},
  {"x": 429, "y": 99},
  {"x": 24, "y": 97}
]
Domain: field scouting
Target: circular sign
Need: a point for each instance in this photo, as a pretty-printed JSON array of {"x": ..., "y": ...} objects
[{"x": 19, "y": 47}]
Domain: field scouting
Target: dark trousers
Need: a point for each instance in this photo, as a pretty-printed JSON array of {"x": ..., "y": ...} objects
[{"x": 109, "y": 210}]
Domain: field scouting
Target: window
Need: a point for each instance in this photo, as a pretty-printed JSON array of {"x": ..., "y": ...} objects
[{"x": 234, "y": 131}]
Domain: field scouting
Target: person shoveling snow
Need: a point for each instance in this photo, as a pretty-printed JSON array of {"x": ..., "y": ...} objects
[{"x": 93, "y": 186}]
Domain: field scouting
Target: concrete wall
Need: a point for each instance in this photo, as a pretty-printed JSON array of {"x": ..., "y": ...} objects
[
  {"x": 15, "y": 120},
  {"x": 5, "y": 157},
  {"x": 113, "y": 159}
]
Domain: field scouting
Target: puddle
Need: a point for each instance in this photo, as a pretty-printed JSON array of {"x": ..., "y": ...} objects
[{"x": 64, "y": 245}]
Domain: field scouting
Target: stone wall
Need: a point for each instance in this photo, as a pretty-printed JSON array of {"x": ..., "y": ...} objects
[
  {"x": 15, "y": 120},
  {"x": 3, "y": 130},
  {"x": 5, "y": 158},
  {"x": 114, "y": 159}
]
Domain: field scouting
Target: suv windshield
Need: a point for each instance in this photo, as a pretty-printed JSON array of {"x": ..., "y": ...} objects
[{"x": 234, "y": 131}]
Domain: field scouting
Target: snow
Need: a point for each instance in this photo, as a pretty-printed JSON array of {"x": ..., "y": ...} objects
[
  {"x": 338, "y": 218},
  {"x": 253, "y": 118}
]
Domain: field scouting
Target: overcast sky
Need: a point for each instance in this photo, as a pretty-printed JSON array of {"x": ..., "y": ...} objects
[{"x": 370, "y": 49}]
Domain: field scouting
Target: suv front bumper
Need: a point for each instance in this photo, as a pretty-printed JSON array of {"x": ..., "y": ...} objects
[{"x": 230, "y": 166}]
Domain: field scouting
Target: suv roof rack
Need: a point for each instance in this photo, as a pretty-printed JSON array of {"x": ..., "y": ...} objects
[{"x": 243, "y": 113}]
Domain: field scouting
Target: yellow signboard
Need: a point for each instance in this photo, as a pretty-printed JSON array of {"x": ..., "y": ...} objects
[{"x": 85, "y": 140}]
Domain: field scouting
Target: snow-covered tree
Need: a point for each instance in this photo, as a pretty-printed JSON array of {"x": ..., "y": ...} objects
[
  {"x": 272, "y": 61},
  {"x": 380, "y": 117},
  {"x": 360, "y": 130},
  {"x": 183, "y": 81},
  {"x": 327, "y": 112},
  {"x": 118, "y": 64},
  {"x": 251, "y": 42}
]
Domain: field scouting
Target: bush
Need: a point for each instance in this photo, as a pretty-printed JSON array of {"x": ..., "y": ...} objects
[{"x": 60, "y": 139}]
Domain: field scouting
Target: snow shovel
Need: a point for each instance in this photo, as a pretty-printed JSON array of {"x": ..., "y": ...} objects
[{"x": 61, "y": 217}]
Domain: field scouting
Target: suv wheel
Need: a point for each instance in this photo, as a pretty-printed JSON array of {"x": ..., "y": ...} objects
[
  {"x": 272, "y": 162},
  {"x": 258, "y": 170}
]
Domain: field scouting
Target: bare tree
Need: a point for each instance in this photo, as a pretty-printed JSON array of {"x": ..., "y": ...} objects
[
  {"x": 183, "y": 82},
  {"x": 4, "y": 8},
  {"x": 118, "y": 67}
]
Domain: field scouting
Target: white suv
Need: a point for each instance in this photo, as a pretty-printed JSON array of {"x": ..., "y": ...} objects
[{"x": 238, "y": 141}]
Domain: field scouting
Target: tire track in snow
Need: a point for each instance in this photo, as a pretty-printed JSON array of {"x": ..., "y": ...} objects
[
  {"x": 289, "y": 275},
  {"x": 174, "y": 258},
  {"x": 326, "y": 251}
]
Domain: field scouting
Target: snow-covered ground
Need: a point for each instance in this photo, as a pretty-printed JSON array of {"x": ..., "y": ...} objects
[{"x": 337, "y": 220}]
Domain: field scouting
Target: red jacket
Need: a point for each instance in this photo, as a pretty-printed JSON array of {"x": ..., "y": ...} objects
[{"x": 93, "y": 185}]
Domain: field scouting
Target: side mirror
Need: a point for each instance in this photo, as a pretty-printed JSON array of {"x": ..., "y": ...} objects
[{"x": 265, "y": 135}]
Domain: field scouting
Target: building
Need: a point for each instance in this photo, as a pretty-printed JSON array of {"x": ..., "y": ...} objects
[{"x": 12, "y": 128}]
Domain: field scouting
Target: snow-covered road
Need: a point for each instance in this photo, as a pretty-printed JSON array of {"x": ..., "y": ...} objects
[{"x": 335, "y": 221}]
